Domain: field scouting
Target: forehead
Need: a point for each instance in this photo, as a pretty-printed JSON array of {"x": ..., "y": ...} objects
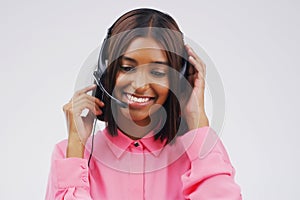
[
  {"x": 143, "y": 42},
  {"x": 146, "y": 47}
]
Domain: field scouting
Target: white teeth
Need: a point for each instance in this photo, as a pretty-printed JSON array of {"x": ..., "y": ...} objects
[{"x": 136, "y": 99}]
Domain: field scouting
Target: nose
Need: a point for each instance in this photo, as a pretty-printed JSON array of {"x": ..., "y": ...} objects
[{"x": 141, "y": 81}]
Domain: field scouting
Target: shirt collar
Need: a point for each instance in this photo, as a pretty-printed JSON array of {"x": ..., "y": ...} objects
[{"x": 120, "y": 143}]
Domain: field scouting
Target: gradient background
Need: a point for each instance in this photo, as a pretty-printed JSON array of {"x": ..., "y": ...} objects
[{"x": 254, "y": 45}]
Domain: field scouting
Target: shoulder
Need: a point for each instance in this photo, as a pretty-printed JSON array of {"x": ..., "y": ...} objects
[{"x": 201, "y": 142}]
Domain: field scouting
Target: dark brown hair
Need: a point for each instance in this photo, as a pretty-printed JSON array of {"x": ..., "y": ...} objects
[{"x": 164, "y": 29}]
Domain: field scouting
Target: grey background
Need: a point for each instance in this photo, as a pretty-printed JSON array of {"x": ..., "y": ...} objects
[{"x": 254, "y": 45}]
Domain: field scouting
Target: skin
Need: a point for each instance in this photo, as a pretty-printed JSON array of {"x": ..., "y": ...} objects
[
  {"x": 138, "y": 82},
  {"x": 143, "y": 74},
  {"x": 194, "y": 112}
]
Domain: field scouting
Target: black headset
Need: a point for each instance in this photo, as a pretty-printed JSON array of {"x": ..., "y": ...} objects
[
  {"x": 99, "y": 76},
  {"x": 99, "y": 73},
  {"x": 102, "y": 65}
]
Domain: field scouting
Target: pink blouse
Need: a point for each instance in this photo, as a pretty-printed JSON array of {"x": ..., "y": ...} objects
[{"x": 195, "y": 166}]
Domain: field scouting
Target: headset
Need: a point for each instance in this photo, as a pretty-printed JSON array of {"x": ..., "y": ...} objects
[
  {"x": 99, "y": 73},
  {"x": 101, "y": 67},
  {"x": 99, "y": 76}
]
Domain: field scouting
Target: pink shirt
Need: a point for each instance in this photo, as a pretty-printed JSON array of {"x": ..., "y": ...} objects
[{"x": 196, "y": 166}]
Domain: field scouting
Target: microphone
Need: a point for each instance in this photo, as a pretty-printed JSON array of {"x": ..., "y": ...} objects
[{"x": 98, "y": 82}]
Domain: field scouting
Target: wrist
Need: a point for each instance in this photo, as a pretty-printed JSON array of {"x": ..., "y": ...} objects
[
  {"x": 198, "y": 121},
  {"x": 203, "y": 121},
  {"x": 75, "y": 146}
]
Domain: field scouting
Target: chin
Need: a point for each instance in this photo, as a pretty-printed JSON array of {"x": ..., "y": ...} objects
[{"x": 135, "y": 116}]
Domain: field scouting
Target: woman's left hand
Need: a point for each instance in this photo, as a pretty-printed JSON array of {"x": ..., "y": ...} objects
[{"x": 194, "y": 111}]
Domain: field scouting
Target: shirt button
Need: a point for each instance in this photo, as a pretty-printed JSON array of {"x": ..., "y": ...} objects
[{"x": 136, "y": 144}]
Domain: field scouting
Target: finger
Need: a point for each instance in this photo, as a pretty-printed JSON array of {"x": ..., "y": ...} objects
[
  {"x": 85, "y": 90},
  {"x": 79, "y": 106},
  {"x": 66, "y": 106},
  {"x": 88, "y": 98},
  {"x": 200, "y": 69},
  {"x": 191, "y": 52}
]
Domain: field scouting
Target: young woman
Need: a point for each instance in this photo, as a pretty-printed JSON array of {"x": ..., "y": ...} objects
[{"x": 155, "y": 127}]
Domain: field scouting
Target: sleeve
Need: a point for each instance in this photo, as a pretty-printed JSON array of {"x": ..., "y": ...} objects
[
  {"x": 68, "y": 177},
  {"x": 211, "y": 175}
]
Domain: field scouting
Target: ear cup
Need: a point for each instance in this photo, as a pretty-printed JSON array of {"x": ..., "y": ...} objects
[
  {"x": 99, "y": 76},
  {"x": 103, "y": 57},
  {"x": 98, "y": 93}
]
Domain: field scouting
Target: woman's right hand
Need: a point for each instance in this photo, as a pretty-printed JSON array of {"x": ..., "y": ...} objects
[{"x": 80, "y": 127}]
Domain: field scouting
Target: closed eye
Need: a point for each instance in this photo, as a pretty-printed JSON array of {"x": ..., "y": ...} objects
[
  {"x": 127, "y": 68},
  {"x": 158, "y": 73}
]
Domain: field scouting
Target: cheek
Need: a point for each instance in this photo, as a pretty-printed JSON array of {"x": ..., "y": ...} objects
[
  {"x": 118, "y": 79},
  {"x": 162, "y": 92},
  {"x": 120, "y": 82}
]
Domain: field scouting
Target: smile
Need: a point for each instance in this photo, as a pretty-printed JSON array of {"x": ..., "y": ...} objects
[{"x": 136, "y": 99}]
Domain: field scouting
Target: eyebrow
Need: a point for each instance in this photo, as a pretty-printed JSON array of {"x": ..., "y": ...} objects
[{"x": 135, "y": 62}]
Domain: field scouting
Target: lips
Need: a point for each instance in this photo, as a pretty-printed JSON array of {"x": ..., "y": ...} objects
[{"x": 137, "y": 100}]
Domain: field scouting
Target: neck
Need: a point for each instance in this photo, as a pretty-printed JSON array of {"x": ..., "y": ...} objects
[{"x": 136, "y": 130}]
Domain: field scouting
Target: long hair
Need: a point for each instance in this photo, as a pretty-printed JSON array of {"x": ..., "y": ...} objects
[{"x": 162, "y": 28}]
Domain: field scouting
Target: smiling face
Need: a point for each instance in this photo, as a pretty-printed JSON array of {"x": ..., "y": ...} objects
[{"x": 142, "y": 80}]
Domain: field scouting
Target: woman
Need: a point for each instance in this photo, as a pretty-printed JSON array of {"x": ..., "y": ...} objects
[{"x": 155, "y": 127}]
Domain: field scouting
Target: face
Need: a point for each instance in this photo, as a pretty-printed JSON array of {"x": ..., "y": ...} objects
[{"x": 142, "y": 81}]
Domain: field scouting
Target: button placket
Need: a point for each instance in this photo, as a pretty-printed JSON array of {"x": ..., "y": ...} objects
[{"x": 136, "y": 173}]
